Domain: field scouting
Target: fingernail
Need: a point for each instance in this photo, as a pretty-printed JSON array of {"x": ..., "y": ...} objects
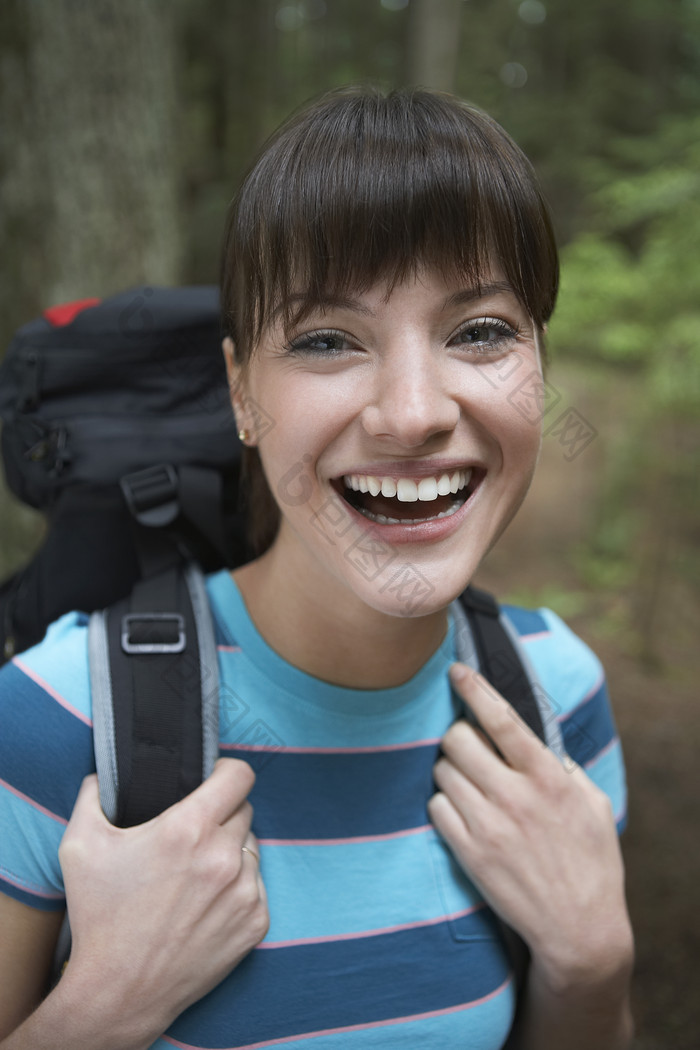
[{"x": 458, "y": 672}]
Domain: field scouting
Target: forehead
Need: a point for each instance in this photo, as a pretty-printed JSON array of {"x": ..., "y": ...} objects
[{"x": 442, "y": 291}]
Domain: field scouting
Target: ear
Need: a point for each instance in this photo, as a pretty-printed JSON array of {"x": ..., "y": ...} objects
[{"x": 240, "y": 400}]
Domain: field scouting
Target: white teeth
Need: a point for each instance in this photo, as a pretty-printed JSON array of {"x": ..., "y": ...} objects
[
  {"x": 406, "y": 490},
  {"x": 382, "y": 519},
  {"x": 427, "y": 489}
]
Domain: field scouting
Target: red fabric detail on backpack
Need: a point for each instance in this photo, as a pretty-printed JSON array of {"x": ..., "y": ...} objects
[{"x": 67, "y": 312}]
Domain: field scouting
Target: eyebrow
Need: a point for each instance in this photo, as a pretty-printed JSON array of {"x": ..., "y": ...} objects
[
  {"x": 482, "y": 291},
  {"x": 326, "y": 302},
  {"x": 345, "y": 302}
]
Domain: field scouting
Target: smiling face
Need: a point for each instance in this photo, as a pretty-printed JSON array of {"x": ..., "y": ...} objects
[
  {"x": 387, "y": 264},
  {"x": 398, "y": 451}
]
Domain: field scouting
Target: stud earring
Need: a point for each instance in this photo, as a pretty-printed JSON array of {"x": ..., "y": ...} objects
[{"x": 243, "y": 435}]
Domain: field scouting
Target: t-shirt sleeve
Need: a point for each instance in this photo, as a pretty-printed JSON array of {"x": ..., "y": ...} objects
[
  {"x": 573, "y": 680},
  {"x": 45, "y": 751}
]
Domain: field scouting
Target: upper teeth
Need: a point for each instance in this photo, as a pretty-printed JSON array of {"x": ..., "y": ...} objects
[{"x": 407, "y": 490}]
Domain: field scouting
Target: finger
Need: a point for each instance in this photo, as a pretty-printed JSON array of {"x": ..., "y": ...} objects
[
  {"x": 237, "y": 827},
  {"x": 253, "y": 844},
  {"x": 463, "y": 793},
  {"x": 251, "y": 855},
  {"x": 448, "y": 822},
  {"x": 223, "y": 793},
  {"x": 470, "y": 752},
  {"x": 251, "y": 849},
  {"x": 517, "y": 743},
  {"x": 87, "y": 804}
]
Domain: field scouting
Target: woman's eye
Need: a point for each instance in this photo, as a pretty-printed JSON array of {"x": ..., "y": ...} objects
[
  {"x": 326, "y": 342},
  {"x": 485, "y": 335}
]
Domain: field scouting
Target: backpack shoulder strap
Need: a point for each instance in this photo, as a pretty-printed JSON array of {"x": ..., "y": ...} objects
[
  {"x": 155, "y": 702},
  {"x": 155, "y": 692},
  {"x": 486, "y": 640},
  {"x": 497, "y": 656},
  {"x": 491, "y": 643}
]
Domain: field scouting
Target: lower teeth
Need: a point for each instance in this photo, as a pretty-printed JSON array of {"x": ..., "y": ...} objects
[{"x": 382, "y": 519}]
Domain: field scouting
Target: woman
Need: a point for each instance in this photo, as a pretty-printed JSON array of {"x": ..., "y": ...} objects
[{"x": 388, "y": 273}]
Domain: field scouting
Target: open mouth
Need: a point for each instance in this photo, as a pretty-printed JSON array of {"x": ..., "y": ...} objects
[{"x": 408, "y": 501}]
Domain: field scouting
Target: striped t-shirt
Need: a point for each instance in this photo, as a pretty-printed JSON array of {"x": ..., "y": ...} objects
[{"x": 376, "y": 939}]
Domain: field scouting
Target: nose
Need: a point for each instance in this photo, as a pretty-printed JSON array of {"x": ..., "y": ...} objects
[{"x": 411, "y": 401}]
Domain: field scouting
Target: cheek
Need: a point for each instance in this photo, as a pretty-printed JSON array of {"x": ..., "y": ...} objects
[
  {"x": 291, "y": 449},
  {"x": 512, "y": 409}
]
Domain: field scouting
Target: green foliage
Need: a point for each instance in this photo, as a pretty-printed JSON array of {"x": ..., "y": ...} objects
[
  {"x": 630, "y": 287},
  {"x": 561, "y": 600}
]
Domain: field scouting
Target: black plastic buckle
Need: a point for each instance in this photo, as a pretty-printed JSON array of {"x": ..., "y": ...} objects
[
  {"x": 152, "y": 494},
  {"x": 158, "y": 644},
  {"x": 29, "y": 393}
]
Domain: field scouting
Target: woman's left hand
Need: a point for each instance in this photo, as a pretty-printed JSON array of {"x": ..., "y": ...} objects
[{"x": 536, "y": 837}]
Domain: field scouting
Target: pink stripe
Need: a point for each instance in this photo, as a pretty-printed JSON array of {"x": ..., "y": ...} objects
[
  {"x": 44, "y": 894},
  {"x": 229, "y": 648},
  {"x": 535, "y": 636},
  {"x": 51, "y": 691},
  {"x": 604, "y": 751},
  {"x": 26, "y": 798},
  {"x": 591, "y": 693},
  {"x": 356, "y": 1027},
  {"x": 373, "y": 749},
  {"x": 348, "y": 841},
  {"x": 371, "y": 933}
]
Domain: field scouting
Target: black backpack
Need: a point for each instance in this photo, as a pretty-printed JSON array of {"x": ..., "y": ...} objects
[{"x": 118, "y": 426}]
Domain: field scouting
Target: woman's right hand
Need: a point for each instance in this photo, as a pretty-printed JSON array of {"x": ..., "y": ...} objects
[{"x": 160, "y": 913}]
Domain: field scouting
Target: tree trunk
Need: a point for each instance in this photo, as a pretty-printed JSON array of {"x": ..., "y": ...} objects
[
  {"x": 89, "y": 183},
  {"x": 433, "y": 45},
  {"x": 88, "y": 158}
]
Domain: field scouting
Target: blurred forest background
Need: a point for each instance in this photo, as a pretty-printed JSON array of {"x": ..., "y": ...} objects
[{"x": 124, "y": 128}]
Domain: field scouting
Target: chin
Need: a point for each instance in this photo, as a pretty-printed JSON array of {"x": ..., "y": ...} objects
[{"x": 411, "y": 589}]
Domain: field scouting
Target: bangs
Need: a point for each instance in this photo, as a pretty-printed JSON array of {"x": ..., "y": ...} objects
[{"x": 362, "y": 188}]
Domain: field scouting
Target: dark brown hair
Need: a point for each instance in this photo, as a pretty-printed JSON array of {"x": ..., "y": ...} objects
[{"x": 360, "y": 187}]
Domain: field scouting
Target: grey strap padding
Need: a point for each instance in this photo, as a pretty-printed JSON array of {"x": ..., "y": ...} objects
[
  {"x": 209, "y": 667},
  {"x": 103, "y": 715}
]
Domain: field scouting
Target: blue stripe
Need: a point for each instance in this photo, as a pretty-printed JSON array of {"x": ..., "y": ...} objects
[
  {"x": 608, "y": 772},
  {"x": 316, "y": 987},
  {"x": 525, "y": 621},
  {"x": 565, "y": 666},
  {"x": 34, "y": 901},
  {"x": 61, "y": 660},
  {"x": 589, "y": 728},
  {"x": 478, "y": 1028},
  {"x": 363, "y": 876},
  {"x": 30, "y": 841},
  {"x": 45, "y": 751},
  {"x": 325, "y": 796}
]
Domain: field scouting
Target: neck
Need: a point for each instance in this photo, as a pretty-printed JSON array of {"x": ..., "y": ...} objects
[{"x": 330, "y": 633}]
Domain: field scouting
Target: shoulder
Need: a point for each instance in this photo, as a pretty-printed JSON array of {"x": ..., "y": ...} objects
[
  {"x": 45, "y": 710},
  {"x": 566, "y": 666},
  {"x": 573, "y": 680}
]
